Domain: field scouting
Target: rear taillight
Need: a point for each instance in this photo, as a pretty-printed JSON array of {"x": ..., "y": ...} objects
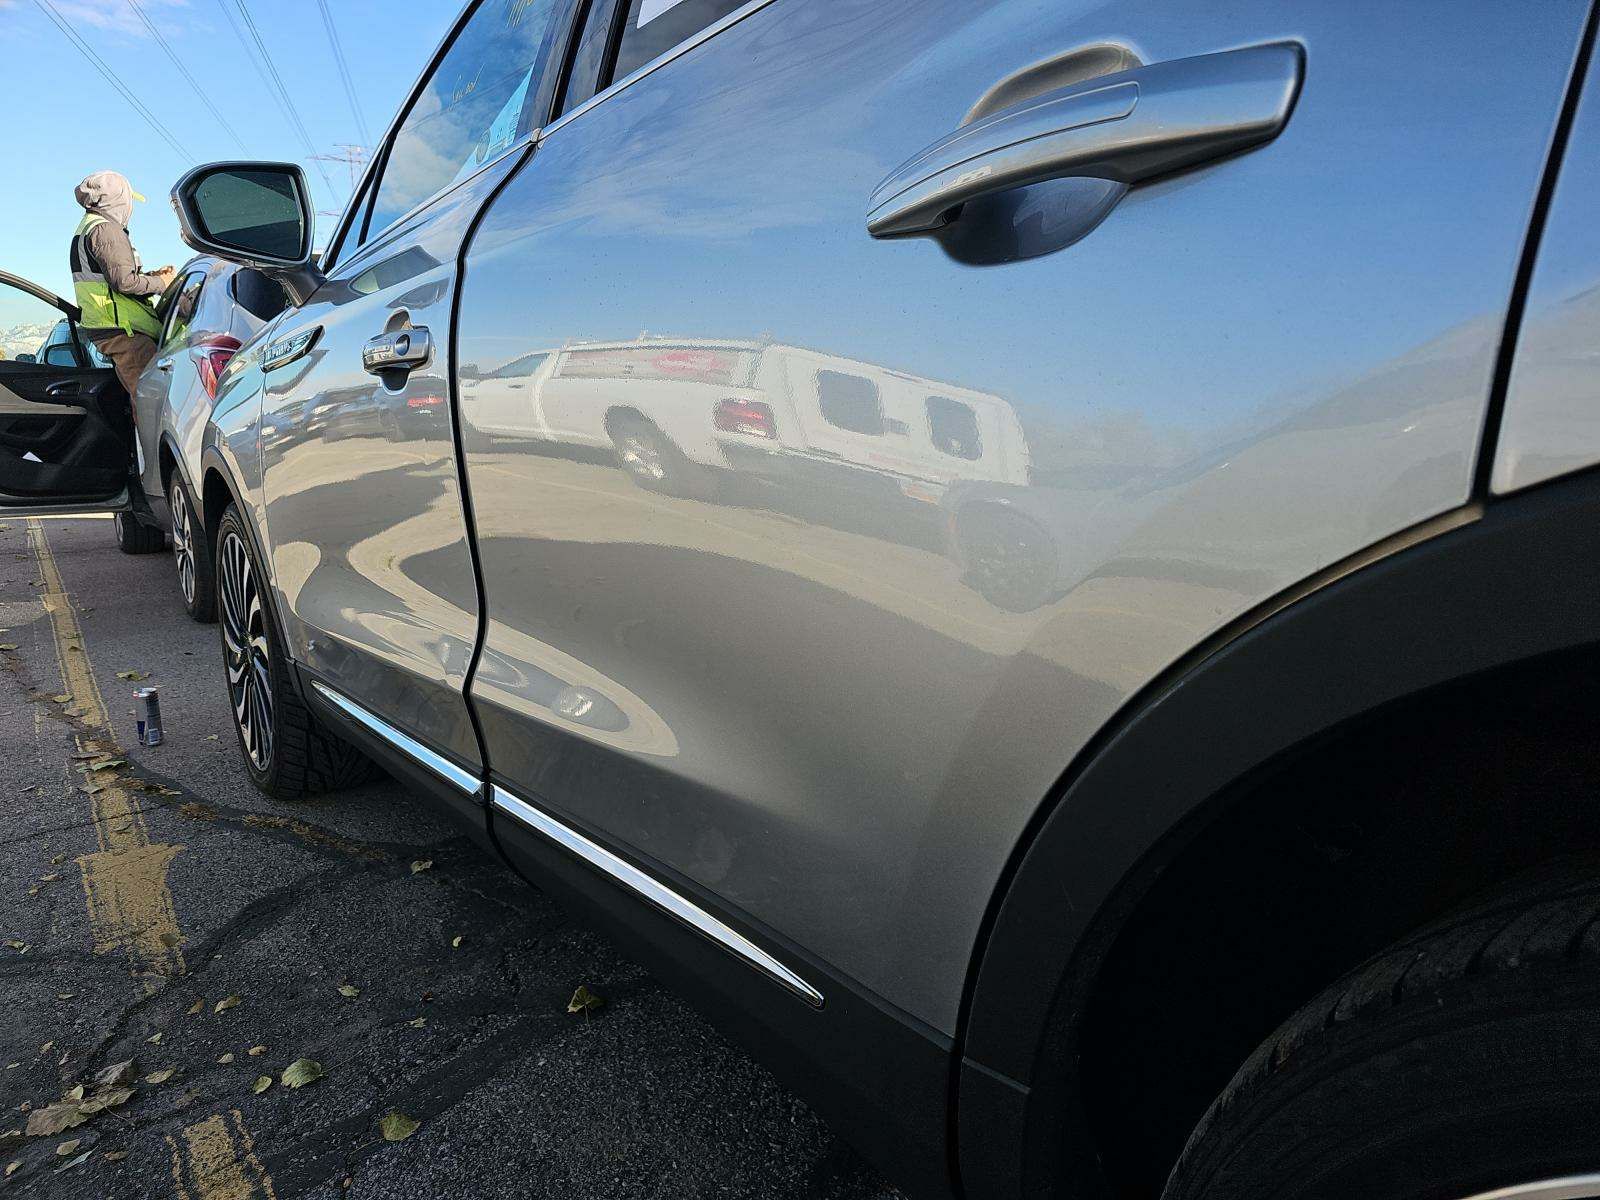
[
  {"x": 212, "y": 355},
  {"x": 746, "y": 416}
]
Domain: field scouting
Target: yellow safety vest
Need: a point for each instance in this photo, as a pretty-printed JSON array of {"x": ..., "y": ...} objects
[{"x": 101, "y": 307}]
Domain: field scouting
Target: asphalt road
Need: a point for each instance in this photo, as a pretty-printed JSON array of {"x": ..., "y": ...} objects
[{"x": 138, "y": 898}]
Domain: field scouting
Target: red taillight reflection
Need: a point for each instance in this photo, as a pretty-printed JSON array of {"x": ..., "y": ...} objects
[
  {"x": 424, "y": 401},
  {"x": 746, "y": 416},
  {"x": 212, "y": 355}
]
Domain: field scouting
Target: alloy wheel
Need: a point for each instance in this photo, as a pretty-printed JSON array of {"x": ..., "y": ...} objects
[
  {"x": 642, "y": 456},
  {"x": 183, "y": 543},
  {"x": 248, "y": 648}
]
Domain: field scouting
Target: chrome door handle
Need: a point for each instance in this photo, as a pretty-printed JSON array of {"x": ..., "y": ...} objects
[
  {"x": 402, "y": 351},
  {"x": 1126, "y": 127}
]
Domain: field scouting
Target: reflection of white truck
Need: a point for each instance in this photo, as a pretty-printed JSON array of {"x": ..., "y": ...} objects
[{"x": 671, "y": 409}]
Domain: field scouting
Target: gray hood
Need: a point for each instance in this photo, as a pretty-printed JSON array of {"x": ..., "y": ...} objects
[{"x": 107, "y": 194}]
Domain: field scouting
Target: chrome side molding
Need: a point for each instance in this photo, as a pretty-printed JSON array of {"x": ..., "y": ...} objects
[
  {"x": 460, "y": 777},
  {"x": 650, "y": 889}
]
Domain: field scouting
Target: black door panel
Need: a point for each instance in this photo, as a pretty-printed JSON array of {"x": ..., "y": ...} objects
[{"x": 65, "y": 434}]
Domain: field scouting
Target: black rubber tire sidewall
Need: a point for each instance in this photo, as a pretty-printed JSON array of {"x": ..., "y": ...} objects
[{"x": 203, "y": 608}]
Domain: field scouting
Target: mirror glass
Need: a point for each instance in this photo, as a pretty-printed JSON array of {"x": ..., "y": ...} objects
[{"x": 255, "y": 211}]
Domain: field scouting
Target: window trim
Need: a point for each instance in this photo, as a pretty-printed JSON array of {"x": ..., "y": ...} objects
[
  {"x": 617, "y": 86},
  {"x": 167, "y": 317}
]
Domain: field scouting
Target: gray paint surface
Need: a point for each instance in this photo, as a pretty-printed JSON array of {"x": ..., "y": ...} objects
[
  {"x": 829, "y": 675},
  {"x": 1551, "y": 423}
]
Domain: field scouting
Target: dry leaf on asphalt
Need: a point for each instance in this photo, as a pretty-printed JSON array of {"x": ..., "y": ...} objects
[
  {"x": 114, "y": 1155},
  {"x": 116, "y": 1074},
  {"x": 105, "y": 1100},
  {"x": 8, "y": 647},
  {"x": 76, "y": 1093},
  {"x": 197, "y": 1008},
  {"x": 301, "y": 1072},
  {"x": 225, "y": 1004},
  {"x": 44, "y": 1049},
  {"x": 133, "y": 676},
  {"x": 66, "y": 1148},
  {"x": 160, "y": 1076},
  {"x": 12, "y": 1168},
  {"x": 55, "y": 1118},
  {"x": 397, "y": 1127},
  {"x": 256, "y": 1051},
  {"x": 262, "y": 1084},
  {"x": 226, "y": 1058},
  {"x": 455, "y": 942},
  {"x": 418, "y": 1023},
  {"x": 154, "y": 1039},
  {"x": 77, "y": 1162},
  {"x": 349, "y": 991},
  {"x": 584, "y": 1001},
  {"x": 63, "y": 698},
  {"x": 421, "y": 864}
]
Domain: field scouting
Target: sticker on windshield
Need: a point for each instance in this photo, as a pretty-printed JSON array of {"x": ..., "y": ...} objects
[{"x": 651, "y": 9}]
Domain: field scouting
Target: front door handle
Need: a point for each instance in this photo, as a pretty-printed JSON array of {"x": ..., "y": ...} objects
[
  {"x": 1127, "y": 127},
  {"x": 400, "y": 352}
]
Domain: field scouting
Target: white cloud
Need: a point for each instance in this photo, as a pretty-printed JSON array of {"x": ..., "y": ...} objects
[{"x": 117, "y": 16}]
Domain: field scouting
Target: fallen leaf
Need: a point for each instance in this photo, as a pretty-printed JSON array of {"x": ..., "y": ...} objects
[
  {"x": 211, "y": 737},
  {"x": 107, "y": 764},
  {"x": 584, "y": 1001},
  {"x": 225, "y": 1004},
  {"x": 66, "y": 1148},
  {"x": 114, "y": 1155},
  {"x": 165, "y": 1074},
  {"x": 65, "y": 995},
  {"x": 116, "y": 1074},
  {"x": 256, "y": 1051},
  {"x": 418, "y": 1023},
  {"x": 197, "y": 1008},
  {"x": 455, "y": 942},
  {"x": 8, "y": 647},
  {"x": 133, "y": 676},
  {"x": 58, "y": 859},
  {"x": 76, "y": 1093},
  {"x": 104, "y": 1100},
  {"x": 11, "y": 1168},
  {"x": 421, "y": 864},
  {"x": 77, "y": 1162},
  {"x": 17, "y": 946},
  {"x": 44, "y": 1049},
  {"x": 349, "y": 991},
  {"x": 301, "y": 1072},
  {"x": 55, "y": 1118},
  {"x": 63, "y": 698},
  {"x": 226, "y": 1058},
  {"x": 262, "y": 1083},
  {"x": 397, "y": 1127},
  {"x": 48, "y": 878},
  {"x": 154, "y": 1039}
]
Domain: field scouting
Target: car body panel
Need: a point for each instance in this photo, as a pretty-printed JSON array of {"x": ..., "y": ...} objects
[
  {"x": 1551, "y": 421},
  {"x": 791, "y": 696},
  {"x": 363, "y": 516}
]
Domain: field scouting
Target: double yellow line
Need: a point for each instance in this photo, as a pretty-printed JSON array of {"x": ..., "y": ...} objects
[{"x": 130, "y": 903}]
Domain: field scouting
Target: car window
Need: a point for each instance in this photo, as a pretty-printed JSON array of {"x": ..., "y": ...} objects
[
  {"x": 653, "y": 27},
  {"x": 182, "y": 307},
  {"x": 954, "y": 428},
  {"x": 849, "y": 402},
  {"x": 472, "y": 108}
]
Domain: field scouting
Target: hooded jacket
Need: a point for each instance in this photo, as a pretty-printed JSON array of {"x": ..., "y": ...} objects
[{"x": 108, "y": 194}]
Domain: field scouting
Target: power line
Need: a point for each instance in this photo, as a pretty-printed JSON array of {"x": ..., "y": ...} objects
[
  {"x": 344, "y": 72},
  {"x": 184, "y": 71},
  {"x": 98, "y": 63},
  {"x": 261, "y": 58}
]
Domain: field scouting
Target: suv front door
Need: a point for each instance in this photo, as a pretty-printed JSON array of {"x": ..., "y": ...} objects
[{"x": 65, "y": 431}]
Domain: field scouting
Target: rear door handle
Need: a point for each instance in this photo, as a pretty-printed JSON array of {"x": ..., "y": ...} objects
[
  {"x": 1127, "y": 127},
  {"x": 401, "y": 352}
]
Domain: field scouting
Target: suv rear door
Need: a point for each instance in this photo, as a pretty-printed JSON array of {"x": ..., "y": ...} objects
[{"x": 65, "y": 432}]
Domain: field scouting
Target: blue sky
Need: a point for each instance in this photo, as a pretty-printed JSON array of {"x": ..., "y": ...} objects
[{"x": 67, "y": 121}]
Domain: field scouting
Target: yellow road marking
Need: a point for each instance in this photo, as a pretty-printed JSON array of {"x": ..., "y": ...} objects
[
  {"x": 220, "y": 1162},
  {"x": 125, "y": 882}
]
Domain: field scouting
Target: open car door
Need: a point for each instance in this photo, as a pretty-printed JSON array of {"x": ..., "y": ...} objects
[{"x": 66, "y": 434}]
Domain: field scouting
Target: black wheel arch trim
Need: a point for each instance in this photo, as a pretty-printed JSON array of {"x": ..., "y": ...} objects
[{"x": 1477, "y": 589}]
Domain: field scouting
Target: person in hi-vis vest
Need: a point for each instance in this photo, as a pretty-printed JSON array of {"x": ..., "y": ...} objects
[{"x": 116, "y": 295}]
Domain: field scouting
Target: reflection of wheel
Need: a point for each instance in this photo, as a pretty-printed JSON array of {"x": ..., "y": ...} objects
[
  {"x": 1009, "y": 560},
  {"x": 287, "y": 752},
  {"x": 1461, "y": 1061},
  {"x": 135, "y": 538},
  {"x": 654, "y": 462},
  {"x": 192, "y": 554}
]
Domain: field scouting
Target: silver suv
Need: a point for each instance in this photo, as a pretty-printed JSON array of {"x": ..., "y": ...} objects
[{"x": 1040, "y": 560}]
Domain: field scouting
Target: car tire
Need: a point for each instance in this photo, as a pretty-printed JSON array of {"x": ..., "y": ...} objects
[
  {"x": 191, "y": 552},
  {"x": 287, "y": 751},
  {"x": 1463, "y": 1060},
  {"x": 133, "y": 537},
  {"x": 653, "y": 461},
  {"x": 1006, "y": 559}
]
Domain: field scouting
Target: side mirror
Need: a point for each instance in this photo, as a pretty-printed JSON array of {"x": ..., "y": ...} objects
[
  {"x": 26, "y": 358},
  {"x": 257, "y": 214}
]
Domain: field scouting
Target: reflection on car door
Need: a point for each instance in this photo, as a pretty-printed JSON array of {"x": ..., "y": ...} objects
[
  {"x": 363, "y": 508},
  {"x": 811, "y": 712}
]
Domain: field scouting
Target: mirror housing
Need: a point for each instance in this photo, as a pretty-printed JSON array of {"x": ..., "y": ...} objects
[
  {"x": 26, "y": 358},
  {"x": 257, "y": 214}
]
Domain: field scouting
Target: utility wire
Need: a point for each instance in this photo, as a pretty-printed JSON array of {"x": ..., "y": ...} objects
[
  {"x": 98, "y": 63},
  {"x": 256, "y": 51},
  {"x": 344, "y": 72},
  {"x": 184, "y": 71}
]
